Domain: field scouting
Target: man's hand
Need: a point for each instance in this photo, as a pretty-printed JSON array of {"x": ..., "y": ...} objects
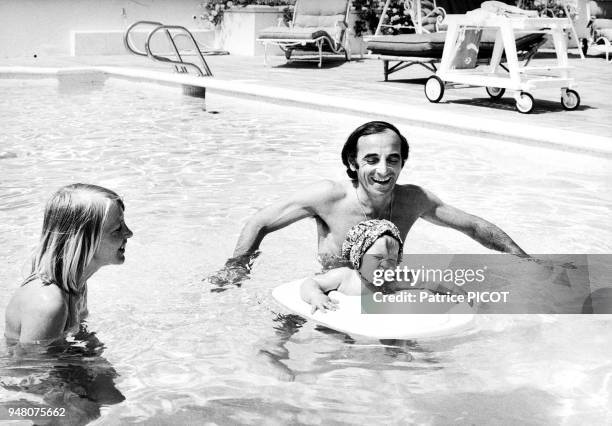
[
  {"x": 323, "y": 303},
  {"x": 235, "y": 271}
]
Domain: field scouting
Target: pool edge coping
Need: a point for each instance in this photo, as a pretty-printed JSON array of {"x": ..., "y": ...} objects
[{"x": 409, "y": 114}]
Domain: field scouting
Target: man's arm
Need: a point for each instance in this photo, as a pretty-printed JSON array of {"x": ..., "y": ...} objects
[
  {"x": 486, "y": 233},
  {"x": 270, "y": 219},
  {"x": 306, "y": 203}
]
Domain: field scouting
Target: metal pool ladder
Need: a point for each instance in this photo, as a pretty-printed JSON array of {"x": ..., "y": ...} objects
[{"x": 180, "y": 65}]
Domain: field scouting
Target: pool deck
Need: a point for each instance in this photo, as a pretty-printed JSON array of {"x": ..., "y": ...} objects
[{"x": 358, "y": 87}]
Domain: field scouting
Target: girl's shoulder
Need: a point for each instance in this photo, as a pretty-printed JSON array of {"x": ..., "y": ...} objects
[
  {"x": 34, "y": 301},
  {"x": 36, "y": 296}
]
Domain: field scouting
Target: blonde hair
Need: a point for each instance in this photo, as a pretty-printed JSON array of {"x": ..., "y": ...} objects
[{"x": 71, "y": 232}]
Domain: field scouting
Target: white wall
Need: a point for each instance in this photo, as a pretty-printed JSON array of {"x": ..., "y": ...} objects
[
  {"x": 42, "y": 27},
  {"x": 46, "y": 27},
  {"x": 241, "y": 26}
]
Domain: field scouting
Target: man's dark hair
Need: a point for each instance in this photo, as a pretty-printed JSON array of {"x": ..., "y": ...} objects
[{"x": 349, "y": 151}]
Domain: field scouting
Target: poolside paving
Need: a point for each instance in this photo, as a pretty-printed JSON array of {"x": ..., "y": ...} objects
[{"x": 362, "y": 81}]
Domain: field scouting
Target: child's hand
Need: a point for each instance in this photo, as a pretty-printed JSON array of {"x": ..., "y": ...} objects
[{"x": 323, "y": 303}]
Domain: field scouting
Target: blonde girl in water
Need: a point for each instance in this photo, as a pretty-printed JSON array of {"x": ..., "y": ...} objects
[{"x": 83, "y": 230}]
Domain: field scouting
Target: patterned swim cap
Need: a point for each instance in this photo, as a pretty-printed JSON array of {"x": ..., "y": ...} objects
[{"x": 361, "y": 237}]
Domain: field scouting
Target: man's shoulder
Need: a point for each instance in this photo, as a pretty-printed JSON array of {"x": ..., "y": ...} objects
[
  {"x": 414, "y": 197},
  {"x": 409, "y": 190},
  {"x": 328, "y": 189}
]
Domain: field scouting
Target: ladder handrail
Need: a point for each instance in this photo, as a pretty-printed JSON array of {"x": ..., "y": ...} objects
[
  {"x": 190, "y": 36},
  {"x": 126, "y": 37},
  {"x": 166, "y": 28}
]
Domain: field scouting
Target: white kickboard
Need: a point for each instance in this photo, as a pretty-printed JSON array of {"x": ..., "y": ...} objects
[{"x": 349, "y": 319}]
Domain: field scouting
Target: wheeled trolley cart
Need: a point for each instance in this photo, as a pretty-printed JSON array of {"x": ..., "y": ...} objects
[{"x": 458, "y": 66}]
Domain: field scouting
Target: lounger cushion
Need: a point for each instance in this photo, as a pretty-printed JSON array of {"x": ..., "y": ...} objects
[
  {"x": 423, "y": 45},
  {"x": 431, "y": 45},
  {"x": 296, "y": 33},
  {"x": 319, "y": 13}
]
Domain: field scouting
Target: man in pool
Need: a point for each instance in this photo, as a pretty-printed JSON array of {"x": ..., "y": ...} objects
[{"x": 374, "y": 155}]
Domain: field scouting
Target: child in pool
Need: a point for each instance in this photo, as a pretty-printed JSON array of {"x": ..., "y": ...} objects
[
  {"x": 83, "y": 230},
  {"x": 370, "y": 245}
]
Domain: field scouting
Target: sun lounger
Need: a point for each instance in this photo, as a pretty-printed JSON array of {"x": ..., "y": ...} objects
[
  {"x": 405, "y": 49},
  {"x": 319, "y": 25},
  {"x": 400, "y": 51},
  {"x": 424, "y": 47}
]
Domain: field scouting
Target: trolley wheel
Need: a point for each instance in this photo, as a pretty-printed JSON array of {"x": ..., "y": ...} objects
[
  {"x": 495, "y": 92},
  {"x": 570, "y": 100},
  {"x": 434, "y": 89},
  {"x": 524, "y": 103},
  {"x": 288, "y": 53}
]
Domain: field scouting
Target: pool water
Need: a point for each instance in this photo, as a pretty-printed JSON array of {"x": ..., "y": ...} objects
[{"x": 172, "y": 351}]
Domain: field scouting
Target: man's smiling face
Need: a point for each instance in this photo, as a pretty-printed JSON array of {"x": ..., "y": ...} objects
[{"x": 378, "y": 162}]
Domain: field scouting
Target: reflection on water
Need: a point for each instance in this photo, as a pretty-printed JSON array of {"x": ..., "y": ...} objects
[
  {"x": 388, "y": 354},
  {"x": 70, "y": 376},
  {"x": 186, "y": 355}
]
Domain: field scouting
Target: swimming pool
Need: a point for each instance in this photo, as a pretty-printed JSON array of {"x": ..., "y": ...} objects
[{"x": 190, "y": 177}]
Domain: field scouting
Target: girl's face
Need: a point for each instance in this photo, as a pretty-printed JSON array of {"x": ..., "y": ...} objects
[
  {"x": 115, "y": 233},
  {"x": 382, "y": 255}
]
